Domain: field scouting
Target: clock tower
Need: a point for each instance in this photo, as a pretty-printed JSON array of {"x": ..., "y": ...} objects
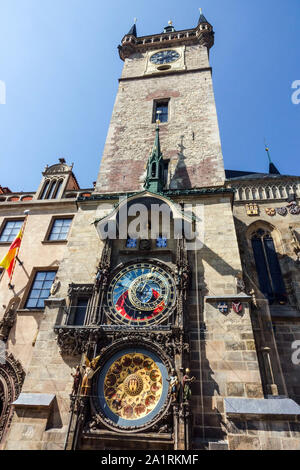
[
  {"x": 167, "y": 75},
  {"x": 156, "y": 325},
  {"x": 152, "y": 329}
]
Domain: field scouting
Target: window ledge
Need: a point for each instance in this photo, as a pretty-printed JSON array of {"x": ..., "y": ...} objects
[
  {"x": 30, "y": 310},
  {"x": 54, "y": 242}
]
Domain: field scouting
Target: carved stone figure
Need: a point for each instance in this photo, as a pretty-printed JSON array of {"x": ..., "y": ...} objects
[
  {"x": 240, "y": 282},
  {"x": 77, "y": 377},
  {"x": 88, "y": 371},
  {"x": 8, "y": 319},
  {"x": 55, "y": 287},
  {"x": 186, "y": 385},
  {"x": 174, "y": 385}
]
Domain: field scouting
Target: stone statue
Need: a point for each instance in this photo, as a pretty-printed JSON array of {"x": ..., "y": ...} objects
[
  {"x": 186, "y": 381},
  {"x": 240, "y": 282},
  {"x": 174, "y": 385},
  {"x": 55, "y": 287},
  {"x": 88, "y": 371}
]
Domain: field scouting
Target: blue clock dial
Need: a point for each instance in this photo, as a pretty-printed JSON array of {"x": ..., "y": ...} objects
[
  {"x": 141, "y": 293},
  {"x": 164, "y": 57}
]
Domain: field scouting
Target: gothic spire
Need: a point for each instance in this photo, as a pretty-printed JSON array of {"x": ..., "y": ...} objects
[
  {"x": 155, "y": 167},
  {"x": 202, "y": 18},
  {"x": 132, "y": 30},
  {"x": 272, "y": 168}
]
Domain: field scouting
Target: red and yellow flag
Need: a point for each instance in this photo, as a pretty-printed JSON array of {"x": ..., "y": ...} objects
[{"x": 9, "y": 259}]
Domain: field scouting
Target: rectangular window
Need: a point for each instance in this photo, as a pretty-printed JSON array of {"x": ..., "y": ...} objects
[
  {"x": 60, "y": 229},
  {"x": 161, "y": 111},
  {"x": 40, "y": 289},
  {"x": 80, "y": 311},
  {"x": 11, "y": 230}
]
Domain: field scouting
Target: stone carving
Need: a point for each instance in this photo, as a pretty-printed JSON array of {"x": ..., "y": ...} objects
[
  {"x": 223, "y": 307},
  {"x": 72, "y": 341},
  {"x": 55, "y": 287},
  {"x": 174, "y": 385},
  {"x": 102, "y": 275},
  {"x": 88, "y": 371},
  {"x": 252, "y": 209},
  {"x": 79, "y": 289},
  {"x": 253, "y": 298},
  {"x": 295, "y": 244},
  {"x": 11, "y": 380},
  {"x": 240, "y": 282},
  {"x": 8, "y": 319},
  {"x": 186, "y": 385},
  {"x": 282, "y": 211},
  {"x": 237, "y": 307},
  {"x": 270, "y": 211},
  {"x": 76, "y": 374}
]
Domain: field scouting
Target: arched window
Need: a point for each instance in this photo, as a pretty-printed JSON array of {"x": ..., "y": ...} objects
[
  {"x": 46, "y": 185},
  {"x": 51, "y": 190},
  {"x": 57, "y": 189},
  {"x": 267, "y": 266},
  {"x": 153, "y": 170}
]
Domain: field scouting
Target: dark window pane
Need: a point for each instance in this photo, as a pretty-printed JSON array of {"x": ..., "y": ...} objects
[
  {"x": 44, "y": 190},
  {"x": 275, "y": 271},
  {"x": 261, "y": 267},
  {"x": 80, "y": 311},
  {"x": 161, "y": 111}
]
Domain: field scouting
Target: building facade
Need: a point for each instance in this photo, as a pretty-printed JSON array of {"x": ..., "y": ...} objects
[{"x": 160, "y": 308}]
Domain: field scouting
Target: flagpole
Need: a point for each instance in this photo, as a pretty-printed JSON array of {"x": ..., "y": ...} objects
[{"x": 17, "y": 252}]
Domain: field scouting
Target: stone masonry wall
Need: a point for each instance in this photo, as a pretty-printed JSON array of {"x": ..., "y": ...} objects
[{"x": 190, "y": 138}]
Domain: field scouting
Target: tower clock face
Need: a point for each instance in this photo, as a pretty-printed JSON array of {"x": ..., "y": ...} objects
[
  {"x": 141, "y": 294},
  {"x": 164, "y": 57}
]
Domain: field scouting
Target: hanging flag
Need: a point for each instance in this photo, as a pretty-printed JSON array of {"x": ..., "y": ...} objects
[{"x": 10, "y": 257}]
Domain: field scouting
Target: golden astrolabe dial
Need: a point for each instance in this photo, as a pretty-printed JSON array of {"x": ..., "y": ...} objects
[
  {"x": 133, "y": 386},
  {"x": 141, "y": 293}
]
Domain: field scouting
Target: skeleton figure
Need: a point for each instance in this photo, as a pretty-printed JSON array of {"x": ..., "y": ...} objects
[{"x": 88, "y": 371}]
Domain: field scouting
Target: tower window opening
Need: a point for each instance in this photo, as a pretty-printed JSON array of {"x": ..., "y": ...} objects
[
  {"x": 267, "y": 267},
  {"x": 161, "y": 111}
]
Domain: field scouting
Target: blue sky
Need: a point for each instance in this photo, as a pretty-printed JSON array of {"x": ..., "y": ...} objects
[{"x": 60, "y": 64}]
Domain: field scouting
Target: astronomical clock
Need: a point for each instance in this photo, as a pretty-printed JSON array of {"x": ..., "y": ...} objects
[
  {"x": 141, "y": 294},
  {"x": 128, "y": 384}
]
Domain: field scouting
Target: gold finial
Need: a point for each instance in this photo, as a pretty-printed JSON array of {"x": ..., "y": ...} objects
[
  {"x": 200, "y": 9},
  {"x": 170, "y": 22},
  {"x": 134, "y": 20},
  {"x": 157, "y": 122}
]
